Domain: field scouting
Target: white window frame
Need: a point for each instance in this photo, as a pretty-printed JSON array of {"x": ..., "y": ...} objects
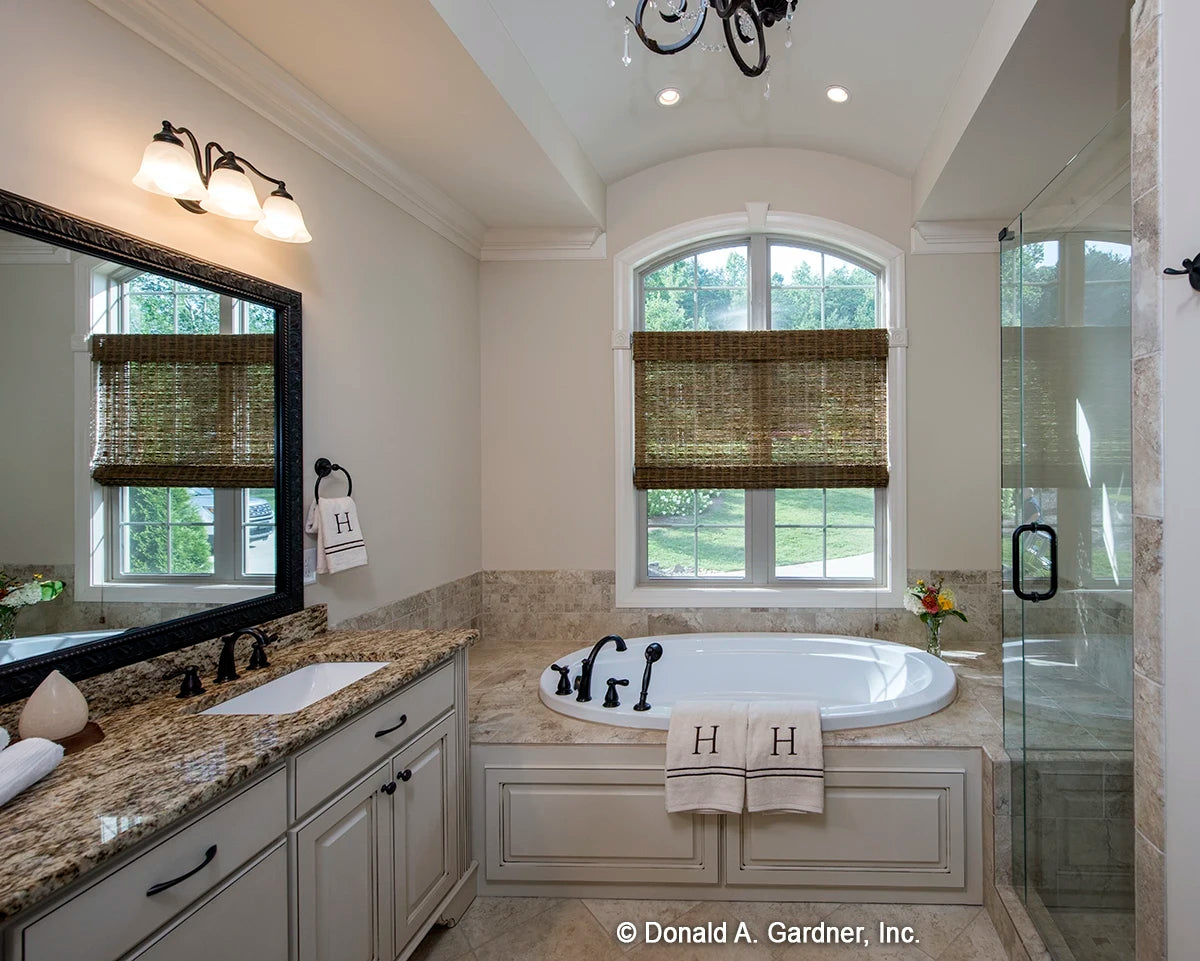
[
  {"x": 759, "y": 220},
  {"x": 97, "y": 575}
]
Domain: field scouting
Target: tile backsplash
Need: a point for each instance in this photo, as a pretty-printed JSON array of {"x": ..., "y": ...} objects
[{"x": 581, "y": 605}]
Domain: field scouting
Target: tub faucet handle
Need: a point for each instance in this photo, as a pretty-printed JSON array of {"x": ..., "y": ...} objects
[
  {"x": 611, "y": 699},
  {"x": 564, "y": 679}
]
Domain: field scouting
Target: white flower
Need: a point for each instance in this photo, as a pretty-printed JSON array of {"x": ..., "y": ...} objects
[
  {"x": 24, "y": 595},
  {"x": 912, "y": 603}
]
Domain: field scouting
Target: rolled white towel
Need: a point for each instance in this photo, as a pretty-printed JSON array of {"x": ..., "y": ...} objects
[
  {"x": 3, "y": 739},
  {"x": 26, "y": 763}
]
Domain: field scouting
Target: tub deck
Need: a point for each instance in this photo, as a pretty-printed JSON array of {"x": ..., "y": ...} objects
[{"x": 505, "y": 708}]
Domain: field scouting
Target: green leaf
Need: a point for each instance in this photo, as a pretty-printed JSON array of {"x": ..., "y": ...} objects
[
  {"x": 960, "y": 615},
  {"x": 51, "y": 589}
]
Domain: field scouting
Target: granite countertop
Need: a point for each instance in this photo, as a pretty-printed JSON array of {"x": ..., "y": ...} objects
[
  {"x": 505, "y": 708},
  {"x": 161, "y": 761}
]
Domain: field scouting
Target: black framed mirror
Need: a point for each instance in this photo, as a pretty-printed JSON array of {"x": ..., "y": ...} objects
[{"x": 161, "y": 396}]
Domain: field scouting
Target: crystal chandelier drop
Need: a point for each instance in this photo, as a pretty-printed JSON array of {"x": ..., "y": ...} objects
[{"x": 671, "y": 26}]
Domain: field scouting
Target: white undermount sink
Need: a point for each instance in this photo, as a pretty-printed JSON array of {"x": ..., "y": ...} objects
[{"x": 299, "y": 689}]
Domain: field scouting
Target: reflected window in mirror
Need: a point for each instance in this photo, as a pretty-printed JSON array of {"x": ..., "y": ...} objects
[{"x": 173, "y": 532}]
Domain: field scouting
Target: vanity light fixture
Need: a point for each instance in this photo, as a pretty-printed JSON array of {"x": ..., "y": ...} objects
[
  {"x": 837, "y": 93},
  {"x": 201, "y": 184},
  {"x": 668, "y": 96}
]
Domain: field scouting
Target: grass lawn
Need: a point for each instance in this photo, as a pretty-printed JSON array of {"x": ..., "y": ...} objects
[{"x": 717, "y": 541}]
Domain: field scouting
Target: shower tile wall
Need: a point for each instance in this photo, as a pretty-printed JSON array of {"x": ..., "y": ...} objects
[{"x": 1145, "y": 31}]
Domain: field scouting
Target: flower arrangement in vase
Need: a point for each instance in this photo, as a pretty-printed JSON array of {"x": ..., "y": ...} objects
[
  {"x": 15, "y": 595},
  {"x": 933, "y": 603}
]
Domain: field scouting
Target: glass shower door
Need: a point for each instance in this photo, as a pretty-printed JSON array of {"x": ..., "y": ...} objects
[{"x": 1067, "y": 536}]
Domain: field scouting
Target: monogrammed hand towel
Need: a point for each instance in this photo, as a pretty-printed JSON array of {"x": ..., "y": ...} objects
[
  {"x": 340, "y": 544},
  {"x": 706, "y": 757},
  {"x": 785, "y": 760}
]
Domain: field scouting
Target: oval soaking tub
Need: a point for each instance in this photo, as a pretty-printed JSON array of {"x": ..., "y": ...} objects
[{"x": 859, "y": 682}]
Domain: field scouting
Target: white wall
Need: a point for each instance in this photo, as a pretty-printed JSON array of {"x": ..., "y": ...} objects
[
  {"x": 391, "y": 334},
  {"x": 1179, "y": 203},
  {"x": 37, "y": 407},
  {"x": 547, "y": 385}
]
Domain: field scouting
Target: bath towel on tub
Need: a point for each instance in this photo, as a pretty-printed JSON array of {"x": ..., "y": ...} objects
[
  {"x": 706, "y": 757},
  {"x": 785, "y": 760},
  {"x": 340, "y": 544}
]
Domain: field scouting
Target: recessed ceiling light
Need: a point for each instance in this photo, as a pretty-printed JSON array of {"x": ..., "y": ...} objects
[
  {"x": 669, "y": 96},
  {"x": 838, "y": 94}
]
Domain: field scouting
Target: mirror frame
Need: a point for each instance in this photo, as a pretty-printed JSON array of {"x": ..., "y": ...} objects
[{"x": 29, "y": 218}]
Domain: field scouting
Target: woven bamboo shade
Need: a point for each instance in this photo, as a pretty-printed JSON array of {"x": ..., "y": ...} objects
[
  {"x": 760, "y": 409},
  {"x": 178, "y": 410}
]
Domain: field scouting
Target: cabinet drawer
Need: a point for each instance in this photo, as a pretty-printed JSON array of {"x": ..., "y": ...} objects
[
  {"x": 108, "y": 918},
  {"x": 248, "y": 918},
  {"x": 587, "y": 825},
  {"x": 894, "y": 829},
  {"x": 329, "y": 765}
]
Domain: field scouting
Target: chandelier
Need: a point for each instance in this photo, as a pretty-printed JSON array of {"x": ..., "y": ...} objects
[{"x": 677, "y": 24}]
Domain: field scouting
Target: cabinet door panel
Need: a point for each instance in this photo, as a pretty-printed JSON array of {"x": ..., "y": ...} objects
[
  {"x": 337, "y": 866},
  {"x": 247, "y": 919},
  {"x": 424, "y": 827}
]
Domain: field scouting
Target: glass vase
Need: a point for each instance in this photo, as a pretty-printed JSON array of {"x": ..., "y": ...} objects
[
  {"x": 934, "y": 644},
  {"x": 8, "y": 623}
]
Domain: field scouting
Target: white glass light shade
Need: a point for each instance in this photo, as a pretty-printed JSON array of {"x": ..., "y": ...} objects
[
  {"x": 282, "y": 220},
  {"x": 231, "y": 194},
  {"x": 169, "y": 169}
]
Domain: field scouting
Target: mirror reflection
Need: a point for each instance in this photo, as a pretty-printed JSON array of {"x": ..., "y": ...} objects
[{"x": 139, "y": 449}]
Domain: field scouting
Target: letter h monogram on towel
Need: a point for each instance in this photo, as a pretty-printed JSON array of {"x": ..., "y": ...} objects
[
  {"x": 706, "y": 757},
  {"x": 785, "y": 764}
]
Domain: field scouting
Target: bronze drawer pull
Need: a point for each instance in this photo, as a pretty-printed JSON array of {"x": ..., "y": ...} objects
[
  {"x": 403, "y": 721},
  {"x": 163, "y": 885},
  {"x": 405, "y": 775}
]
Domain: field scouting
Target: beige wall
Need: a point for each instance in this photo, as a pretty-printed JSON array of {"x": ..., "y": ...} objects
[
  {"x": 391, "y": 334},
  {"x": 37, "y": 407},
  {"x": 547, "y": 393}
]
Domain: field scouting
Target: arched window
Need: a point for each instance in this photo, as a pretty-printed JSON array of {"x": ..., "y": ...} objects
[{"x": 806, "y": 544}]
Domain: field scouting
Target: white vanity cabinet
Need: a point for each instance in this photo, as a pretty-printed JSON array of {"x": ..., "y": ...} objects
[
  {"x": 342, "y": 877},
  {"x": 348, "y": 850},
  {"x": 425, "y": 854},
  {"x": 375, "y": 863}
]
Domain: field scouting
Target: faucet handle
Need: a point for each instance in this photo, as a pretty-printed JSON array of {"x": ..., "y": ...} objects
[
  {"x": 191, "y": 685},
  {"x": 611, "y": 699},
  {"x": 258, "y": 655},
  {"x": 564, "y": 679}
]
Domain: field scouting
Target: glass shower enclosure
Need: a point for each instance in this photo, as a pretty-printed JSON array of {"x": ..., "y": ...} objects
[{"x": 1067, "y": 552}]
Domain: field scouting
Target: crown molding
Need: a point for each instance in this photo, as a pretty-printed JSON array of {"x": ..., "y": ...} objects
[
  {"x": 955, "y": 237},
  {"x": 16, "y": 250},
  {"x": 544, "y": 243},
  {"x": 203, "y": 43}
]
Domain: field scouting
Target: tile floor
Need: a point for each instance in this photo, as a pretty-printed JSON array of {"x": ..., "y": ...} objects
[
  {"x": 1095, "y": 934},
  {"x": 547, "y": 929}
]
